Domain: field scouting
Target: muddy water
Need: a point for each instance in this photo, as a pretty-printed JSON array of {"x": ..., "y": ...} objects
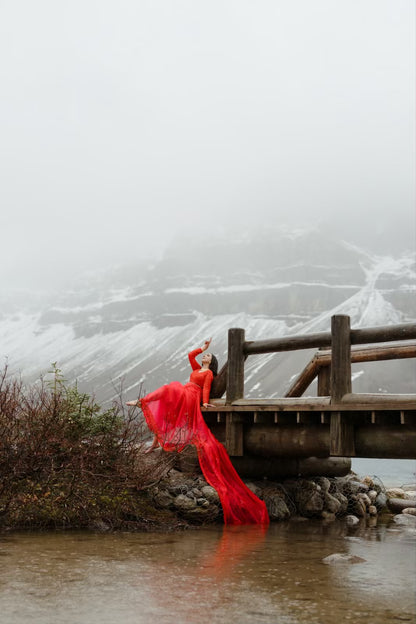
[{"x": 210, "y": 575}]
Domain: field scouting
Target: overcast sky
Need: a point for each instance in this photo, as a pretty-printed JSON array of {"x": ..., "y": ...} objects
[{"x": 122, "y": 122}]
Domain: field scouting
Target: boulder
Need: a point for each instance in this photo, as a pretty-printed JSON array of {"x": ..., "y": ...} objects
[
  {"x": 405, "y": 520},
  {"x": 398, "y": 504},
  {"x": 276, "y": 507}
]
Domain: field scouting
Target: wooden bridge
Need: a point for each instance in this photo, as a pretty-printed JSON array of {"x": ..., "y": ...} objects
[{"x": 325, "y": 429}]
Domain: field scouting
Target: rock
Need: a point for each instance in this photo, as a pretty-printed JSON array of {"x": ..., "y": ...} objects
[
  {"x": 183, "y": 503},
  {"x": 368, "y": 481},
  {"x": 210, "y": 494},
  {"x": 309, "y": 500},
  {"x": 381, "y": 501},
  {"x": 357, "y": 506},
  {"x": 409, "y": 510},
  {"x": 276, "y": 507},
  {"x": 406, "y": 520},
  {"x": 351, "y": 520},
  {"x": 202, "y": 502},
  {"x": 99, "y": 525},
  {"x": 365, "y": 498},
  {"x": 337, "y": 558},
  {"x": 396, "y": 493},
  {"x": 372, "y": 495},
  {"x": 324, "y": 483},
  {"x": 254, "y": 488},
  {"x": 196, "y": 492},
  {"x": 372, "y": 510},
  {"x": 328, "y": 516},
  {"x": 162, "y": 498},
  {"x": 331, "y": 504},
  {"x": 398, "y": 504},
  {"x": 343, "y": 500},
  {"x": 357, "y": 486},
  {"x": 179, "y": 488}
]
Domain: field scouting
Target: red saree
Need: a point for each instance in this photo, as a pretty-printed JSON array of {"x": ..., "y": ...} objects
[{"x": 173, "y": 413}]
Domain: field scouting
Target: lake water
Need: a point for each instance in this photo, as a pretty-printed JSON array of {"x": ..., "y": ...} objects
[
  {"x": 392, "y": 472},
  {"x": 211, "y": 575}
]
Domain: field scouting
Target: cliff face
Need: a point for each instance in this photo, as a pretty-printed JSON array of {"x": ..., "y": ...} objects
[{"x": 135, "y": 325}]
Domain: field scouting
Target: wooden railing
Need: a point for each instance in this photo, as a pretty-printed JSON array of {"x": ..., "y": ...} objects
[
  {"x": 340, "y": 340},
  {"x": 332, "y": 366}
]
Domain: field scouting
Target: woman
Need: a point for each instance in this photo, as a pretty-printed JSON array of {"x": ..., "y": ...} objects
[{"x": 173, "y": 414}]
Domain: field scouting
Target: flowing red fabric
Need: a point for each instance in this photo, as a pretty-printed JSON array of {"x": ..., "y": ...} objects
[{"x": 173, "y": 413}]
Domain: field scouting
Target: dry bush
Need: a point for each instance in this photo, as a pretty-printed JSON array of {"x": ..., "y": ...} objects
[{"x": 66, "y": 462}]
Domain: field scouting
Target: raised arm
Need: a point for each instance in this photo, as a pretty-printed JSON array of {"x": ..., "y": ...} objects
[{"x": 192, "y": 355}]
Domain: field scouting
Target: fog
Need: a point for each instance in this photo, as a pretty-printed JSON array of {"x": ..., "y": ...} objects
[{"x": 126, "y": 123}]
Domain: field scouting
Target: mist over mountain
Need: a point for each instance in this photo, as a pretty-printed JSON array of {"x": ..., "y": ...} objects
[{"x": 131, "y": 327}]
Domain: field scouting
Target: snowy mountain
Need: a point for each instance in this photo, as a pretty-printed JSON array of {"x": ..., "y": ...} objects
[{"x": 134, "y": 325}]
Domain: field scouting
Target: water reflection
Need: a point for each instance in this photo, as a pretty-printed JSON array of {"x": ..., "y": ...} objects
[{"x": 230, "y": 574}]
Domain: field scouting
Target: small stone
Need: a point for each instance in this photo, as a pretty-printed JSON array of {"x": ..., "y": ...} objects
[
  {"x": 372, "y": 510},
  {"x": 342, "y": 558},
  {"x": 411, "y": 511},
  {"x": 328, "y": 516},
  {"x": 351, "y": 520},
  {"x": 196, "y": 492},
  {"x": 183, "y": 503},
  {"x": 368, "y": 481},
  {"x": 396, "y": 493},
  {"x": 202, "y": 502},
  {"x": 372, "y": 495},
  {"x": 365, "y": 498}
]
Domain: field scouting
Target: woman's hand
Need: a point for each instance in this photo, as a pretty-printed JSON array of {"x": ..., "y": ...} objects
[
  {"x": 133, "y": 403},
  {"x": 207, "y": 405},
  {"x": 206, "y": 344}
]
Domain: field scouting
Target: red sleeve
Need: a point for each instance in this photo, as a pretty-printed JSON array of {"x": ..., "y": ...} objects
[
  {"x": 207, "y": 386},
  {"x": 195, "y": 365}
]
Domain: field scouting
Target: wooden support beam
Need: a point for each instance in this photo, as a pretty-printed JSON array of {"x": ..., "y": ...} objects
[
  {"x": 324, "y": 380},
  {"x": 304, "y": 380},
  {"x": 341, "y": 357},
  {"x": 234, "y": 434},
  {"x": 235, "y": 376},
  {"x": 341, "y": 427}
]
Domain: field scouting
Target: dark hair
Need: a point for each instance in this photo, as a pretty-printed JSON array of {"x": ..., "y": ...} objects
[{"x": 213, "y": 366}]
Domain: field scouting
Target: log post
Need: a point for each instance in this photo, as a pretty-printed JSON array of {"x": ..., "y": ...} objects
[
  {"x": 235, "y": 390},
  {"x": 234, "y": 434},
  {"x": 341, "y": 426},
  {"x": 235, "y": 374},
  {"x": 341, "y": 357}
]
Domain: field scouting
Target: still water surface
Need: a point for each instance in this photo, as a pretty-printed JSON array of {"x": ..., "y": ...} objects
[{"x": 210, "y": 575}]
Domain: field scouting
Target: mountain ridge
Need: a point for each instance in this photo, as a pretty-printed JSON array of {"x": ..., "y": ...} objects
[{"x": 128, "y": 329}]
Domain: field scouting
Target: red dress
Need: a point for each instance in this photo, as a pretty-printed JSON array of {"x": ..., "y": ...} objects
[{"x": 173, "y": 413}]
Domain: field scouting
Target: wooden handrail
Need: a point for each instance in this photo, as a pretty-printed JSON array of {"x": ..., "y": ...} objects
[
  {"x": 368, "y": 353},
  {"x": 405, "y": 331}
]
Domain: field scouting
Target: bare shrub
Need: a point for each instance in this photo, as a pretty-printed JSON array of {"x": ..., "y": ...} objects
[{"x": 66, "y": 462}]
